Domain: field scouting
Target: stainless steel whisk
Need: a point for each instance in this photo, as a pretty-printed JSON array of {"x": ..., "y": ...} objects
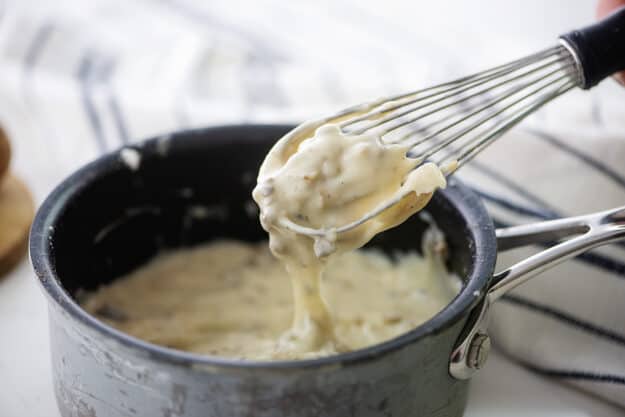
[
  {"x": 451, "y": 123},
  {"x": 457, "y": 119}
]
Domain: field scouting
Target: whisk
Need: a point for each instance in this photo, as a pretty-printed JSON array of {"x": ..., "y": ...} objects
[{"x": 451, "y": 123}]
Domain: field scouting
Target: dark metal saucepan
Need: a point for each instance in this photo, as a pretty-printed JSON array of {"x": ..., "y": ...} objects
[{"x": 107, "y": 219}]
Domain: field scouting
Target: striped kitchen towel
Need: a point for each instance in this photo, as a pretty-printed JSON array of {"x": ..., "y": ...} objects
[{"x": 81, "y": 78}]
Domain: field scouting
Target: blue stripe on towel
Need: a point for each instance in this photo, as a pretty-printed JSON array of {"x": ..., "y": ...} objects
[
  {"x": 193, "y": 13},
  {"x": 37, "y": 45},
  {"x": 113, "y": 105},
  {"x": 514, "y": 186},
  {"x": 514, "y": 207},
  {"x": 566, "y": 318},
  {"x": 118, "y": 117},
  {"x": 574, "y": 374},
  {"x": 84, "y": 75},
  {"x": 587, "y": 159}
]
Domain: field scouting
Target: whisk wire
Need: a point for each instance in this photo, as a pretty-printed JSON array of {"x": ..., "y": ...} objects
[
  {"x": 455, "y": 88},
  {"x": 469, "y": 108},
  {"x": 480, "y": 144},
  {"x": 429, "y": 152},
  {"x": 489, "y": 104}
]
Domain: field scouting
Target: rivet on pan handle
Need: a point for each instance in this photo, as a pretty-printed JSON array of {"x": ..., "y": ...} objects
[{"x": 581, "y": 234}]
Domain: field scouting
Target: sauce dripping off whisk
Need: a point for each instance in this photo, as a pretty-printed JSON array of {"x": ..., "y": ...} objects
[{"x": 309, "y": 188}]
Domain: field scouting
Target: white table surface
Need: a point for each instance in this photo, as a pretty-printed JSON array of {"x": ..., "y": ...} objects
[{"x": 502, "y": 389}]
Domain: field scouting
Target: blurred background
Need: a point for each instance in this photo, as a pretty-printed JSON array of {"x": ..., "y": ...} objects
[{"x": 79, "y": 78}]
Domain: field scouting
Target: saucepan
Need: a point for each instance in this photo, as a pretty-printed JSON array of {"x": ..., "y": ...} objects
[{"x": 119, "y": 211}]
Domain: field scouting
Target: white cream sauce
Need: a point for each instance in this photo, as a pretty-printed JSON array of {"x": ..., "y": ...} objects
[
  {"x": 234, "y": 299},
  {"x": 323, "y": 181}
]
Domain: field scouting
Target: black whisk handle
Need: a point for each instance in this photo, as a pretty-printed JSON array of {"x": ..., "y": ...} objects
[{"x": 599, "y": 48}]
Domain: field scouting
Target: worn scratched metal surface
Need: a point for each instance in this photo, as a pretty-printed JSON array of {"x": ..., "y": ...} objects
[{"x": 94, "y": 376}]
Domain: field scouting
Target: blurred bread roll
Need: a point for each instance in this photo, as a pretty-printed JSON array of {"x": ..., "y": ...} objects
[
  {"x": 5, "y": 154},
  {"x": 16, "y": 213}
]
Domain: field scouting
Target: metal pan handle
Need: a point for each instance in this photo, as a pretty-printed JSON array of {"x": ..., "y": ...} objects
[{"x": 580, "y": 234}]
